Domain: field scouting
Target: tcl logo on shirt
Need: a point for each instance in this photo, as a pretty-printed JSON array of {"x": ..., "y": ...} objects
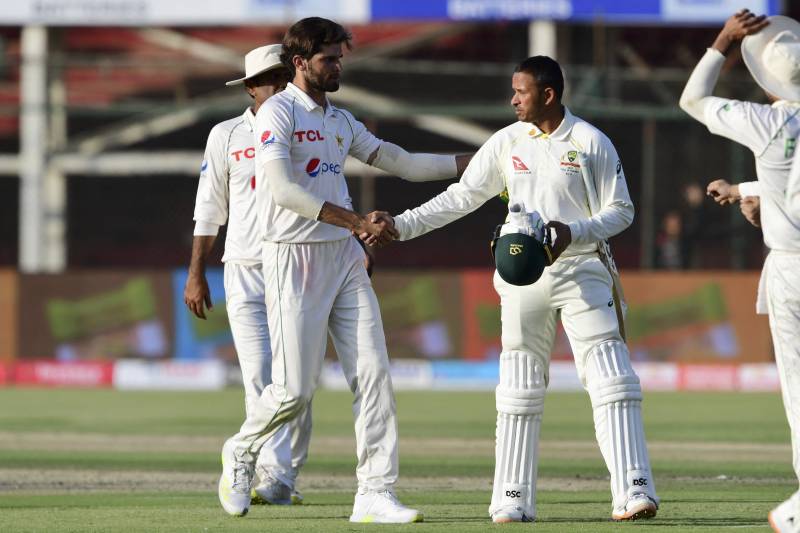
[
  {"x": 315, "y": 167},
  {"x": 309, "y": 135},
  {"x": 247, "y": 153}
]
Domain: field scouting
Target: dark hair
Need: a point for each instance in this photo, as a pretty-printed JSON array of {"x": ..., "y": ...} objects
[
  {"x": 546, "y": 71},
  {"x": 307, "y": 37}
]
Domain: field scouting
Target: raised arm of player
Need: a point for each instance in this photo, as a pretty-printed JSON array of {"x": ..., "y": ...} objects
[
  {"x": 615, "y": 208},
  {"x": 481, "y": 180},
  {"x": 210, "y": 212},
  {"x": 738, "y": 121}
]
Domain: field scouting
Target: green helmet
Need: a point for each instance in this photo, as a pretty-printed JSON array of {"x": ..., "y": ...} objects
[{"x": 520, "y": 259}]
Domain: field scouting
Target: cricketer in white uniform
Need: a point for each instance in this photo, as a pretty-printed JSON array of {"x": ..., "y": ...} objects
[
  {"x": 226, "y": 193},
  {"x": 793, "y": 188},
  {"x": 316, "y": 283},
  {"x": 771, "y": 50},
  {"x": 562, "y": 167}
]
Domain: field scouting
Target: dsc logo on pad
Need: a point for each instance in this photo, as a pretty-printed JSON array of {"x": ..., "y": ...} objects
[{"x": 315, "y": 167}]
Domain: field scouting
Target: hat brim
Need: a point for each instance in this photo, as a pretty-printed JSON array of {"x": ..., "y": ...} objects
[
  {"x": 262, "y": 71},
  {"x": 753, "y": 48}
]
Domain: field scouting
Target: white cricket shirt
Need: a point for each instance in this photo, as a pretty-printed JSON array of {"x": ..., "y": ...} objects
[
  {"x": 226, "y": 191},
  {"x": 316, "y": 140},
  {"x": 770, "y": 132},
  {"x": 542, "y": 172},
  {"x": 793, "y": 188}
]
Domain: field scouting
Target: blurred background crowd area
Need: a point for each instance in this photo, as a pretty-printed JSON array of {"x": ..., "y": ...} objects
[{"x": 128, "y": 110}]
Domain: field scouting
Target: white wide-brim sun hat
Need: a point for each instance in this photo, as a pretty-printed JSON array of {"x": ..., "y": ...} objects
[
  {"x": 773, "y": 57},
  {"x": 258, "y": 61}
]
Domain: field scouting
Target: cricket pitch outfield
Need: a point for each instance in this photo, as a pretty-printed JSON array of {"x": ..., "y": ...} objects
[{"x": 98, "y": 460}]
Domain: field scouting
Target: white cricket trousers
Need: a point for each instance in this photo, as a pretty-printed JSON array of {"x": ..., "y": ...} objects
[
  {"x": 285, "y": 452},
  {"x": 579, "y": 290},
  {"x": 313, "y": 289},
  {"x": 782, "y": 271}
]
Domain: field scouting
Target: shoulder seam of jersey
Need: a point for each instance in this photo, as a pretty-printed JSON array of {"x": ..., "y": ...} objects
[
  {"x": 294, "y": 121},
  {"x": 228, "y": 146},
  {"x": 352, "y": 131}
]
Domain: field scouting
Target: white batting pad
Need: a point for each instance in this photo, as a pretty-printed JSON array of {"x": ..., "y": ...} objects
[
  {"x": 617, "y": 404},
  {"x": 520, "y": 402}
]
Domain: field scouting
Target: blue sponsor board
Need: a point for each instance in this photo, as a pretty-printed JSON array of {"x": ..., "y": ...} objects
[
  {"x": 202, "y": 339},
  {"x": 622, "y": 11},
  {"x": 465, "y": 375}
]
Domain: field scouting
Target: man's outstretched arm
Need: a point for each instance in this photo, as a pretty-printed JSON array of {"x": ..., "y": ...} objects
[{"x": 417, "y": 166}]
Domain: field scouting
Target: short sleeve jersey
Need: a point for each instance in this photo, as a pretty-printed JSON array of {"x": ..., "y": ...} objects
[
  {"x": 226, "y": 190},
  {"x": 316, "y": 140},
  {"x": 771, "y": 133}
]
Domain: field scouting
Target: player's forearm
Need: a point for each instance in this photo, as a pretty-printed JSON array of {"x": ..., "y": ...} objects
[
  {"x": 287, "y": 194},
  {"x": 339, "y": 216},
  {"x": 701, "y": 84},
  {"x": 452, "y": 204},
  {"x": 415, "y": 167},
  {"x": 201, "y": 249},
  {"x": 609, "y": 221}
]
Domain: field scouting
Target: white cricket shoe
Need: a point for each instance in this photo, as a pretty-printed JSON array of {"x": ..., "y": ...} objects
[
  {"x": 783, "y": 518},
  {"x": 234, "y": 483},
  {"x": 508, "y": 514},
  {"x": 638, "y": 507},
  {"x": 382, "y": 507},
  {"x": 270, "y": 490}
]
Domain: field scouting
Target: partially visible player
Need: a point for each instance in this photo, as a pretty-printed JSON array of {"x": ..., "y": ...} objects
[
  {"x": 560, "y": 166},
  {"x": 793, "y": 188},
  {"x": 771, "y": 50},
  {"x": 226, "y": 193},
  {"x": 316, "y": 283}
]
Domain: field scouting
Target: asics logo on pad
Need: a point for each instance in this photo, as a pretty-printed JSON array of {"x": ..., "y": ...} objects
[
  {"x": 519, "y": 166},
  {"x": 267, "y": 138},
  {"x": 315, "y": 167}
]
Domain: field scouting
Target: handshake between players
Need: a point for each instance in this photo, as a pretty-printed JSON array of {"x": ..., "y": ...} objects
[{"x": 378, "y": 229}]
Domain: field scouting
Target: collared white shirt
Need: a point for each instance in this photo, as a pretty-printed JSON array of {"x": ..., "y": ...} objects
[
  {"x": 770, "y": 132},
  {"x": 316, "y": 140},
  {"x": 544, "y": 173},
  {"x": 226, "y": 191}
]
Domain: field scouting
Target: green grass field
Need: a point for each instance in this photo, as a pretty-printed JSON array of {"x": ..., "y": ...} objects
[{"x": 73, "y": 460}]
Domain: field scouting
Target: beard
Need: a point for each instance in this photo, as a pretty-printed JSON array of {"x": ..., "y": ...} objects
[{"x": 318, "y": 82}]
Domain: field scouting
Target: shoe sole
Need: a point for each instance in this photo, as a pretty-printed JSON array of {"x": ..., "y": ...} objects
[
  {"x": 648, "y": 511},
  {"x": 258, "y": 500},
  {"x": 369, "y": 519},
  {"x": 509, "y": 520}
]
